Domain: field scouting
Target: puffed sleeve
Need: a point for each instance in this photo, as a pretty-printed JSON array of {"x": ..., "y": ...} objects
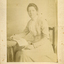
[
  {"x": 20, "y": 35},
  {"x": 44, "y": 32},
  {"x": 26, "y": 30},
  {"x": 44, "y": 29}
]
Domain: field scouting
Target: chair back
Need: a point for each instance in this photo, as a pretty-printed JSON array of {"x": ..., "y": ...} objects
[{"x": 52, "y": 35}]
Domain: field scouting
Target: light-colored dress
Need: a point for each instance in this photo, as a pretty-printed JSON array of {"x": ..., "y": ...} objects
[{"x": 41, "y": 49}]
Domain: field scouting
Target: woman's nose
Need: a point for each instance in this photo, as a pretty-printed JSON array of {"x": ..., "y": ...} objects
[{"x": 31, "y": 12}]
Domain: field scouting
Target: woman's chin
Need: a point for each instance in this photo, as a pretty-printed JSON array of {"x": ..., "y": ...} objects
[{"x": 32, "y": 17}]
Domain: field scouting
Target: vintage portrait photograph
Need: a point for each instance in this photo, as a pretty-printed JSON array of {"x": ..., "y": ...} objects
[{"x": 32, "y": 31}]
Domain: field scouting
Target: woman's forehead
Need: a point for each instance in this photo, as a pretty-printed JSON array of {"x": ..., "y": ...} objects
[{"x": 31, "y": 7}]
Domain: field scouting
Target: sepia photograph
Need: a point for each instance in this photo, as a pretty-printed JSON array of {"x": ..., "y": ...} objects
[{"x": 32, "y": 31}]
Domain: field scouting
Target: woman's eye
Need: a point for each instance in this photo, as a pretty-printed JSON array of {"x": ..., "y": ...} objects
[{"x": 32, "y": 10}]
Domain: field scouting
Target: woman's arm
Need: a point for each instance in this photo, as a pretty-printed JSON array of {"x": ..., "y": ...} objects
[
  {"x": 24, "y": 33},
  {"x": 44, "y": 33},
  {"x": 21, "y": 35},
  {"x": 45, "y": 29}
]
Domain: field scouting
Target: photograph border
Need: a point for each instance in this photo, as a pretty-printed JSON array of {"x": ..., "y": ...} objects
[{"x": 3, "y": 32}]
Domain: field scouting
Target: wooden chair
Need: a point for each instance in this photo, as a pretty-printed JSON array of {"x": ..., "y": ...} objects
[{"x": 53, "y": 36}]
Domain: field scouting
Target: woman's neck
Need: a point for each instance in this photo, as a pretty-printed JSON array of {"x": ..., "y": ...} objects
[{"x": 35, "y": 18}]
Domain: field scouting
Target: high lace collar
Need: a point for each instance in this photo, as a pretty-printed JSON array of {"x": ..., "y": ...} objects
[{"x": 35, "y": 18}]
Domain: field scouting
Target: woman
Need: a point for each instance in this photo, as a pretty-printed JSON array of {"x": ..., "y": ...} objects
[{"x": 37, "y": 35}]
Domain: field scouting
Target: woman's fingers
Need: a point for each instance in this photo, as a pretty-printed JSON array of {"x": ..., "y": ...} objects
[{"x": 14, "y": 37}]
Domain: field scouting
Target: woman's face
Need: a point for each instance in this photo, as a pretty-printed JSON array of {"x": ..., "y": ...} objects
[{"x": 32, "y": 12}]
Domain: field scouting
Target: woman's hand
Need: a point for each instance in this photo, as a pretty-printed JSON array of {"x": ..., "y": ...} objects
[
  {"x": 15, "y": 37},
  {"x": 9, "y": 39}
]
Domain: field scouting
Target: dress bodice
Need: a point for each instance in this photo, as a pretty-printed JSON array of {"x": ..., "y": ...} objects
[{"x": 37, "y": 29}]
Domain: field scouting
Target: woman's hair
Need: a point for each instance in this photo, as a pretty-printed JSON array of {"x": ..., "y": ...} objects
[{"x": 32, "y": 5}]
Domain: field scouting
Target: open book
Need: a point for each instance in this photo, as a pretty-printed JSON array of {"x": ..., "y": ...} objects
[{"x": 21, "y": 42}]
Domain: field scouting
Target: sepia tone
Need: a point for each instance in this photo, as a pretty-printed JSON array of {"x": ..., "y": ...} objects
[{"x": 18, "y": 18}]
